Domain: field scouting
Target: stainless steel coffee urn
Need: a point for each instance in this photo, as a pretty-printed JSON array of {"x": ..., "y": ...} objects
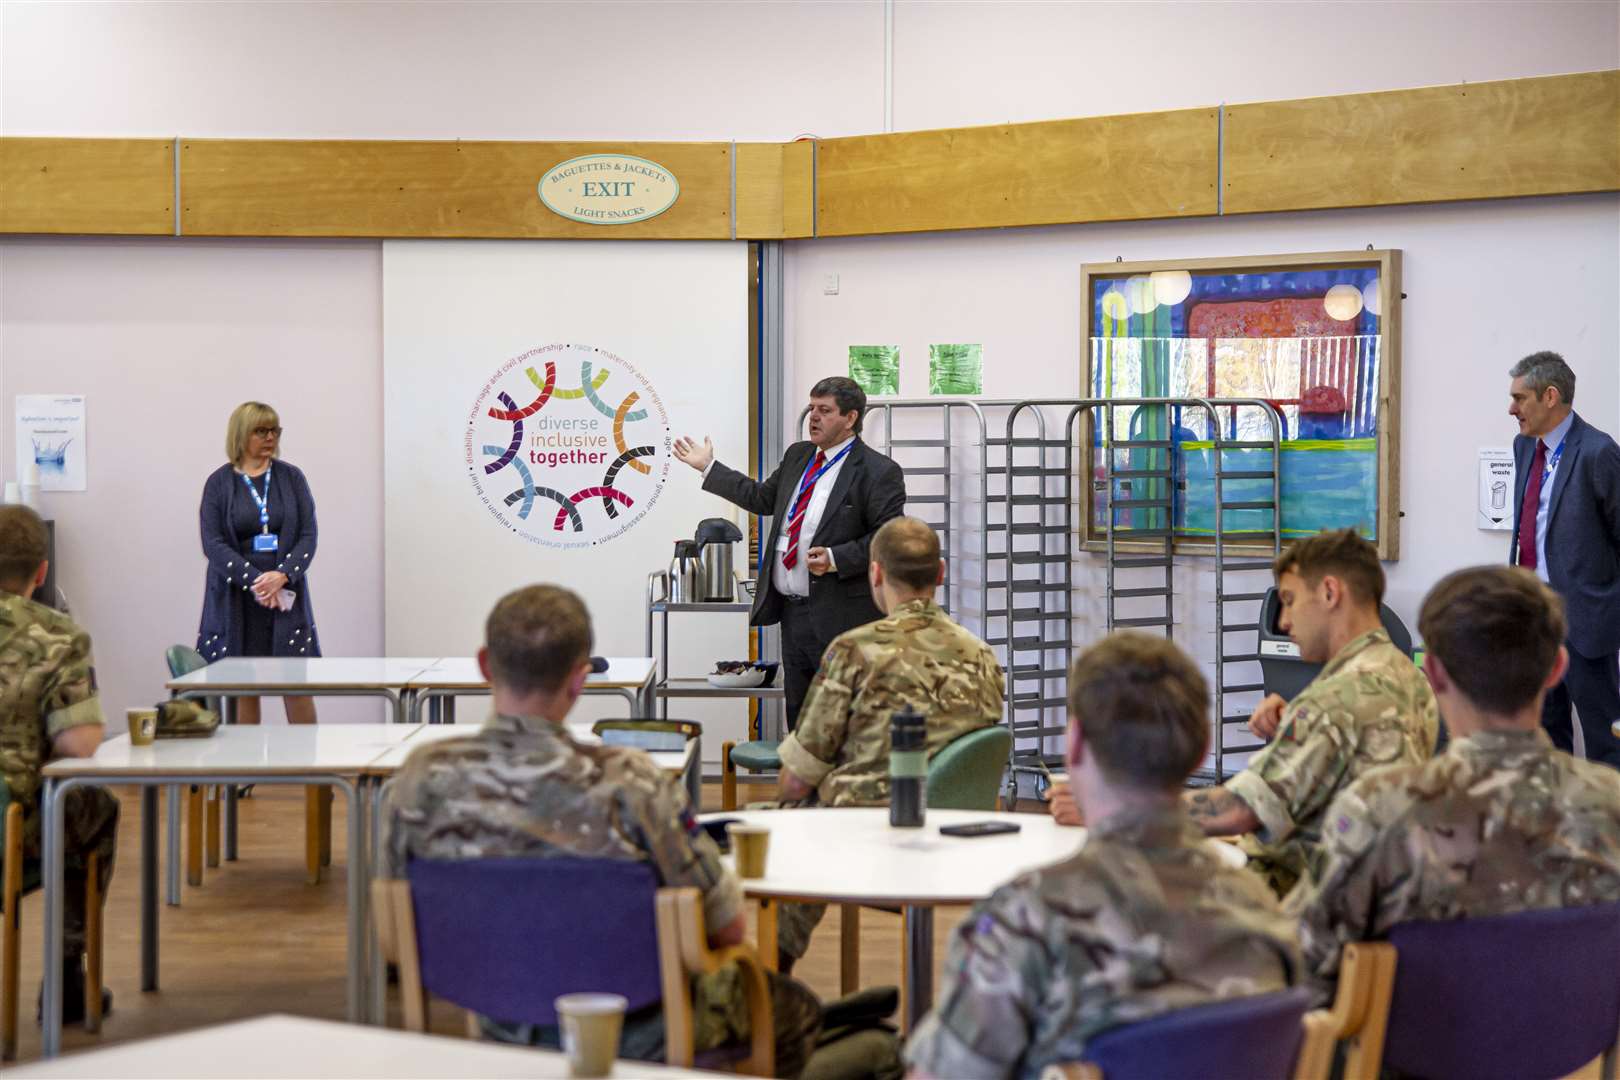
[
  {"x": 714, "y": 539},
  {"x": 685, "y": 574}
]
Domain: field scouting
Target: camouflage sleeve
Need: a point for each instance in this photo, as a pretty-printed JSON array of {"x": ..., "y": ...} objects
[
  {"x": 982, "y": 1023},
  {"x": 1338, "y": 900},
  {"x": 1289, "y": 780},
  {"x": 680, "y": 849},
  {"x": 71, "y": 699},
  {"x": 811, "y": 751},
  {"x": 404, "y": 806}
]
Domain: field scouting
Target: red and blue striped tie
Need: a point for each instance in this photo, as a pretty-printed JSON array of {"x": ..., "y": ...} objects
[{"x": 790, "y": 557}]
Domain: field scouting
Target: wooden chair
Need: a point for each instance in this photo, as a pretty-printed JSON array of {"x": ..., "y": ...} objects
[
  {"x": 1262, "y": 1037},
  {"x": 505, "y": 937},
  {"x": 18, "y": 881}
]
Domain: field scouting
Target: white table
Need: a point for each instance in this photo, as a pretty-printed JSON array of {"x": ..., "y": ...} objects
[
  {"x": 853, "y": 856},
  {"x": 450, "y": 677},
  {"x": 331, "y": 755},
  {"x": 292, "y": 1047}
]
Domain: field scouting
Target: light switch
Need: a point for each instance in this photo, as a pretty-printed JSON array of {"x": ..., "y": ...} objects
[{"x": 829, "y": 285}]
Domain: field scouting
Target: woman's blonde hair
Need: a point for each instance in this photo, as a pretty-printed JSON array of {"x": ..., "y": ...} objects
[{"x": 244, "y": 419}]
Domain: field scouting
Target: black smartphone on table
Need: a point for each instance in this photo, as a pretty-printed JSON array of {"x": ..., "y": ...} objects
[{"x": 980, "y": 828}]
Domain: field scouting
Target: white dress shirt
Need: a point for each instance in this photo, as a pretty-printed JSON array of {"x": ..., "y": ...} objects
[
  {"x": 796, "y": 582},
  {"x": 1554, "y": 439}
]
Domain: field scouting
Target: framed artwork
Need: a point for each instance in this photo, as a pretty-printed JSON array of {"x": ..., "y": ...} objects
[{"x": 1316, "y": 335}]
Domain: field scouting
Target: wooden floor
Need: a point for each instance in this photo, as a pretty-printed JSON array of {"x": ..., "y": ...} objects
[{"x": 256, "y": 939}]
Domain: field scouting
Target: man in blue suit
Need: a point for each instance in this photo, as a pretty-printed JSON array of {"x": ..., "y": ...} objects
[{"x": 1567, "y": 530}]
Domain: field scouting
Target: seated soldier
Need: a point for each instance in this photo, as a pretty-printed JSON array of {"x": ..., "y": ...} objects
[
  {"x": 521, "y": 786},
  {"x": 1368, "y": 708},
  {"x": 49, "y": 709},
  {"x": 915, "y": 655},
  {"x": 1146, "y": 917},
  {"x": 1500, "y": 821}
]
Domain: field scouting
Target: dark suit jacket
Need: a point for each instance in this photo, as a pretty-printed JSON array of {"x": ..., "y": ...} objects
[
  {"x": 1583, "y": 533},
  {"x": 870, "y": 490}
]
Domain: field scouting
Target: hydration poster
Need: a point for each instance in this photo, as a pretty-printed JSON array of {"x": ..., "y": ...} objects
[{"x": 50, "y": 434}]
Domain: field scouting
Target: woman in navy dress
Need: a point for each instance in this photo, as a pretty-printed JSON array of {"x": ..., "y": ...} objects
[{"x": 258, "y": 534}]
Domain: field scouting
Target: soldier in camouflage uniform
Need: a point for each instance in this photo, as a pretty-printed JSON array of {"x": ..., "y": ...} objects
[
  {"x": 1501, "y": 821},
  {"x": 1367, "y": 709},
  {"x": 49, "y": 708},
  {"x": 915, "y": 655},
  {"x": 521, "y": 786},
  {"x": 1144, "y": 919}
]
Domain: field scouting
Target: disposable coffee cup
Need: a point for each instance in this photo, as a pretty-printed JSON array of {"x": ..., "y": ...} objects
[
  {"x": 590, "y": 1031},
  {"x": 749, "y": 846},
  {"x": 142, "y": 726}
]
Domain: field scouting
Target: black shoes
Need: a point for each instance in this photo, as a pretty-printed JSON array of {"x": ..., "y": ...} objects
[{"x": 73, "y": 993}]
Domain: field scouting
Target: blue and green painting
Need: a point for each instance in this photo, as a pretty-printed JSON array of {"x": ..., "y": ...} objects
[{"x": 1306, "y": 341}]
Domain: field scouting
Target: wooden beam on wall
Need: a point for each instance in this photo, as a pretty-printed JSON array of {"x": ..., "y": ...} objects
[
  {"x": 100, "y": 186},
  {"x": 1110, "y": 168},
  {"x": 775, "y": 185},
  {"x": 1555, "y": 135},
  {"x": 239, "y": 187}
]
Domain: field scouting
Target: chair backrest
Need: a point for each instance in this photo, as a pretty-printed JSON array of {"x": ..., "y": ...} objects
[
  {"x": 1253, "y": 1037},
  {"x": 1529, "y": 994},
  {"x": 505, "y": 937},
  {"x": 183, "y": 660},
  {"x": 967, "y": 771}
]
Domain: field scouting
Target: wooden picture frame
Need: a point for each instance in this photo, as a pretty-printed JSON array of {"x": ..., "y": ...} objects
[{"x": 1350, "y": 410}]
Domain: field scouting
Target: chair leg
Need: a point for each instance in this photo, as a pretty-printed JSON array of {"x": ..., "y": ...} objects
[
  {"x": 849, "y": 948},
  {"x": 312, "y": 835},
  {"x": 10, "y": 956},
  {"x": 212, "y": 797},
  {"x": 93, "y": 943},
  {"x": 326, "y": 826},
  {"x": 194, "y": 836},
  {"x": 728, "y": 778},
  {"x": 769, "y": 957}
]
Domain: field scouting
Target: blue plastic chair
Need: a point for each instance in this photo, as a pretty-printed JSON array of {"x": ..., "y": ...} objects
[
  {"x": 503, "y": 938},
  {"x": 1257, "y": 1038},
  {"x": 1533, "y": 994}
]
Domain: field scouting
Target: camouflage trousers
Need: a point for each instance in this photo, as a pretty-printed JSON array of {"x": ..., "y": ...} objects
[
  {"x": 794, "y": 925},
  {"x": 1280, "y": 870},
  {"x": 719, "y": 1018},
  {"x": 90, "y": 827}
]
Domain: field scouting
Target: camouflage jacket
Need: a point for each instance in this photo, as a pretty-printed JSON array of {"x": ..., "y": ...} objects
[
  {"x": 524, "y": 787},
  {"x": 1500, "y": 822},
  {"x": 47, "y": 685},
  {"x": 1370, "y": 707},
  {"x": 1145, "y": 918},
  {"x": 913, "y": 656}
]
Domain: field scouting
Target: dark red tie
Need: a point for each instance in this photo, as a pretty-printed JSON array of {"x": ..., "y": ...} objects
[
  {"x": 1532, "y": 505},
  {"x": 790, "y": 557}
]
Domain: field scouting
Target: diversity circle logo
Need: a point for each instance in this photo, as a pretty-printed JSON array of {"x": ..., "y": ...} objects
[{"x": 583, "y": 460}]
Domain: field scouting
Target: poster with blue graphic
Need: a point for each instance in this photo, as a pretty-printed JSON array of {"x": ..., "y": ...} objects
[{"x": 50, "y": 435}]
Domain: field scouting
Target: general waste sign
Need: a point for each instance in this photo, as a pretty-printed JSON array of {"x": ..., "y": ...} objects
[{"x": 1495, "y": 488}]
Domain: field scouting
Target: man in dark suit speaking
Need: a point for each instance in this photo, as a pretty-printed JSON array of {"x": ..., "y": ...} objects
[
  {"x": 1567, "y": 489},
  {"x": 826, "y": 500}
]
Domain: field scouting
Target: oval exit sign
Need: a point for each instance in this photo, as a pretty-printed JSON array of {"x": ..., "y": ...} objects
[{"x": 609, "y": 189}]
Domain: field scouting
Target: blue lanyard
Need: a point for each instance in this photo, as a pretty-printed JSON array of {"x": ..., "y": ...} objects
[
  {"x": 810, "y": 479},
  {"x": 264, "y": 503},
  {"x": 1551, "y": 465}
]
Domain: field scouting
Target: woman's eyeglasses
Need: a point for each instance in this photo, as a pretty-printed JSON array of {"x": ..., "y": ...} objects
[{"x": 266, "y": 432}]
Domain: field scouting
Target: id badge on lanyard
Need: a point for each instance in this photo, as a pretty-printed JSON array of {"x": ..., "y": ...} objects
[{"x": 265, "y": 540}]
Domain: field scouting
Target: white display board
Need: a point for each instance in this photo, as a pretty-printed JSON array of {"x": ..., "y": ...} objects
[{"x": 531, "y": 393}]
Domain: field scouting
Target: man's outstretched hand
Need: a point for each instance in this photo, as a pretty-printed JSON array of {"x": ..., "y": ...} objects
[{"x": 688, "y": 450}]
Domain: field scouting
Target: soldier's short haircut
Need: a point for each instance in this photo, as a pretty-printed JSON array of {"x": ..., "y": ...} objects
[
  {"x": 846, "y": 393},
  {"x": 1496, "y": 630},
  {"x": 1143, "y": 708},
  {"x": 1543, "y": 369},
  {"x": 908, "y": 550},
  {"x": 24, "y": 547},
  {"x": 1344, "y": 553},
  {"x": 537, "y": 637}
]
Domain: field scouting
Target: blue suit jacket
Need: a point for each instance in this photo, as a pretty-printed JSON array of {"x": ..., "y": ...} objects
[{"x": 1583, "y": 534}]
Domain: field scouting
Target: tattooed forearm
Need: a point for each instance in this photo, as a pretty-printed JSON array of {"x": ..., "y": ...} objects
[{"x": 1218, "y": 812}]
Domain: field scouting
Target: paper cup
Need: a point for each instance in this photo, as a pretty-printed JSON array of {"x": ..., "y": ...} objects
[
  {"x": 142, "y": 726},
  {"x": 590, "y": 1031},
  {"x": 749, "y": 846}
]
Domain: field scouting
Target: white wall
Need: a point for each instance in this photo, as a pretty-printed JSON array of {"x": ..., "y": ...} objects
[{"x": 166, "y": 336}]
